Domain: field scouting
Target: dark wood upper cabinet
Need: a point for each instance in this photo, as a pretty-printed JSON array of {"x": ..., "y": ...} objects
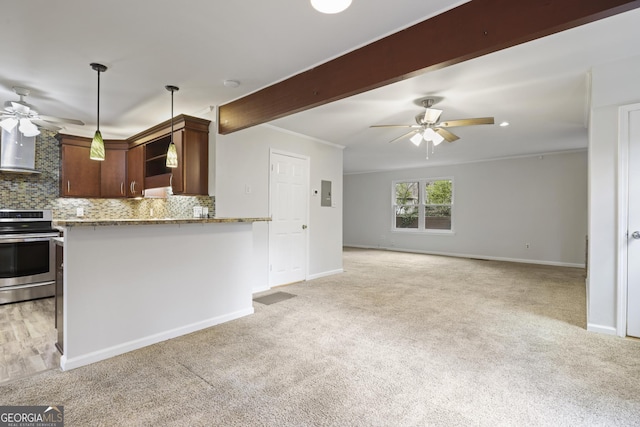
[
  {"x": 113, "y": 170},
  {"x": 191, "y": 137},
  {"x": 79, "y": 175},
  {"x": 135, "y": 171},
  {"x": 192, "y": 175},
  {"x": 82, "y": 177}
]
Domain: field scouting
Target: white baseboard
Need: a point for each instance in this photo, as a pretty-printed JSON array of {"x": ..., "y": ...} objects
[
  {"x": 96, "y": 356},
  {"x": 608, "y": 330},
  {"x": 490, "y": 258},
  {"x": 324, "y": 274}
]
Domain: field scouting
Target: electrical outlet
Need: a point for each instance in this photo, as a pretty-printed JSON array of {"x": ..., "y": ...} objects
[{"x": 79, "y": 212}]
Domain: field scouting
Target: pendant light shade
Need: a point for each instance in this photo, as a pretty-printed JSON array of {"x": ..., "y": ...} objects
[
  {"x": 172, "y": 152},
  {"x": 97, "y": 144},
  {"x": 172, "y": 156},
  {"x": 97, "y": 147}
]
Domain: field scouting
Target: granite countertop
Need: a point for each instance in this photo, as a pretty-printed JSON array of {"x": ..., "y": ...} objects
[{"x": 101, "y": 222}]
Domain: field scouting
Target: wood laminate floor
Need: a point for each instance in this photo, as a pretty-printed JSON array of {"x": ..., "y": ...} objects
[{"x": 27, "y": 339}]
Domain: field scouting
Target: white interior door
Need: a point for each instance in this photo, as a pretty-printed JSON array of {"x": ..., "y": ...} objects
[
  {"x": 288, "y": 194},
  {"x": 633, "y": 248}
]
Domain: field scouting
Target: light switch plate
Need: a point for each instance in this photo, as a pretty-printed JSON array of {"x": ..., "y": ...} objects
[
  {"x": 197, "y": 211},
  {"x": 79, "y": 212}
]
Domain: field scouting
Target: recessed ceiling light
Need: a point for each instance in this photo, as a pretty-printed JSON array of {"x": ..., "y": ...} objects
[
  {"x": 330, "y": 6},
  {"x": 504, "y": 124},
  {"x": 231, "y": 83}
]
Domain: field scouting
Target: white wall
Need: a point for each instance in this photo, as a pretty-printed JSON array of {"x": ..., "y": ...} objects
[
  {"x": 128, "y": 286},
  {"x": 613, "y": 85},
  {"x": 242, "y": 160},
  {"x": 499, "y": 206}
]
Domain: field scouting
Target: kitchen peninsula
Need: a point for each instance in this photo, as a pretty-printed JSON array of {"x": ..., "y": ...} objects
[{"x": 129, "y": 283}]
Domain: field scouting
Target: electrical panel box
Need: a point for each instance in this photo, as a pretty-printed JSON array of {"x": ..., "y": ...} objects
[{"x": 325, "y": 192}]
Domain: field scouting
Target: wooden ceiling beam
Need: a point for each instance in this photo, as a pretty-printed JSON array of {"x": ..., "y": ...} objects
[{"x": 473, "y": 29}]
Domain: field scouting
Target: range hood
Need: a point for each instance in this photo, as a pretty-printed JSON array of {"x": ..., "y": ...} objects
[{"x": 17, "y": 152}]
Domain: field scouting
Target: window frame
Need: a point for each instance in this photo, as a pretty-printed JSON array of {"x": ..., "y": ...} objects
[{"x": 422, "y": 185}]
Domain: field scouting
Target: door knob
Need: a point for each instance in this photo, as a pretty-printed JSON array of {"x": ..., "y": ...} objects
[
  {"x": 636, "y": 234},
  {"x": 304, "y": 227}
]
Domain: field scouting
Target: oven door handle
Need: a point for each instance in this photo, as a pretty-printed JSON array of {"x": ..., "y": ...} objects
[
  {"x": 22, "y": 238},
  {"x": 28, "y": 285}
]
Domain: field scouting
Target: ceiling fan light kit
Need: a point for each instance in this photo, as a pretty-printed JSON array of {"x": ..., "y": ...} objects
[
  {"x": 430, "y": 135},
  {"x": 416, "y": 139},
  {"x": 27, "y": 128},
  {"x": 330, "y": 6}
]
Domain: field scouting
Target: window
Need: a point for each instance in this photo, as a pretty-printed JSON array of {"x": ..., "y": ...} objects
[
  {"x": 406, "y": 204},
  {"x": 423, "y": 205}
]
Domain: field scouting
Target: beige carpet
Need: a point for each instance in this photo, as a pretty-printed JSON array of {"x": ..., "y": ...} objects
[{"x": 397, "y": 340}]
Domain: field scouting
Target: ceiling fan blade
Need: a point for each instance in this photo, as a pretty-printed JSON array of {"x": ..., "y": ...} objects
[
  {"x": 467, "y": 122},
  {"x": 44, "y": 124},
  {"x": 402, "y": 136},
  {"x": 395, "y": 126},
  {"x": 61, "y": 120},
  {"x": 448, "y": 136}
]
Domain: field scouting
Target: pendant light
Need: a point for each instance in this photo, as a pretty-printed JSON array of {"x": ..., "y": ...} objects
[
  {"x": 97, "y": 144},
  {"x": 172, "y": 153}
]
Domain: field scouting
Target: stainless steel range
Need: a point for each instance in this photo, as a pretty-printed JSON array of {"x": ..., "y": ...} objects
[{"x": 27, "y": 255}]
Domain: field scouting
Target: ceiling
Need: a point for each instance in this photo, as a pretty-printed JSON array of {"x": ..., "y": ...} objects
[{"x": 539, "y": 87}]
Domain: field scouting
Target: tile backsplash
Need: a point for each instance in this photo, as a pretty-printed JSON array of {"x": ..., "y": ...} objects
[{"x": 41, "y": 191}]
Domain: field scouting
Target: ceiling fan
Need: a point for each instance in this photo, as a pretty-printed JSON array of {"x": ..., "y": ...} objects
[
  {"x": 429, "y": 128},
  {"x": 24, "y": 115}
]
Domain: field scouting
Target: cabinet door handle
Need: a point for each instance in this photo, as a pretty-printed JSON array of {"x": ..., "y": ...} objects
[
  {"x": 122, "y": 188},
  {"x": 131, "y": 187},
  {"x": 68, "y": 186}
]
